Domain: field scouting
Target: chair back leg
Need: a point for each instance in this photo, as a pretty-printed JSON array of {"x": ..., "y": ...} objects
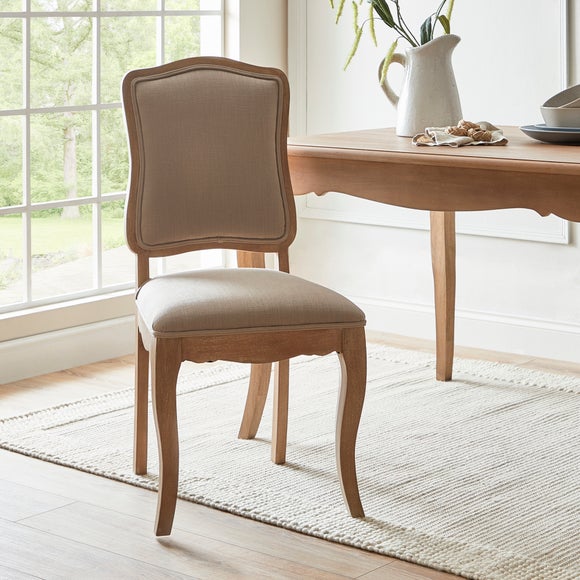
[
  {"x": 141, "y": 407},
  {"x": 280, "y": 415},
  {"x": 255, "y": 400}
]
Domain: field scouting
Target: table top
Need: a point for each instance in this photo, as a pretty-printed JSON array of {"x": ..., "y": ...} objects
[
  {"x": 378, "y": 165},
  {"x": 521, "y": 153}
]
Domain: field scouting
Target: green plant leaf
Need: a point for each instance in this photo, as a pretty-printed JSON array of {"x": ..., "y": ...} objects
[
  {"x": 450, "y": 9},
  {"x": 426, "y": 31},
  {"x": 355, "y": 16},
  {"x": 340, "y": 9},
  {"x": 372, "y": 30},
  {"x": 387, "y": 62},
  {"x": 354, "y": 47},
  {"x": 382, "y": 9},
  {"x": 445, "y": 23}
]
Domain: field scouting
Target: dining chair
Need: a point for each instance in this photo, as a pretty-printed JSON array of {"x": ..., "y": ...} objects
[{"x": 207, "y": 143}]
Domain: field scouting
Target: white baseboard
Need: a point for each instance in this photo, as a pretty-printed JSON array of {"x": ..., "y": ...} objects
[
  {"x": 65, "y": 349},
  {"x": 511, "y": 334}
]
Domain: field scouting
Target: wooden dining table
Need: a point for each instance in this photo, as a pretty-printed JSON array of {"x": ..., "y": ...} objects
[{"x": 378, "y": 165}]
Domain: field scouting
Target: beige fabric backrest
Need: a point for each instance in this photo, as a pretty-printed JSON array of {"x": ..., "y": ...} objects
[{"x": 207, "y": 138}]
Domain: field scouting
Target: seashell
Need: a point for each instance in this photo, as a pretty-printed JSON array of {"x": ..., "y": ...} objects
[
  {"x": 468, "y": 125},
  {"x": 481, "y": 135},
  {"x": 457, "y": 131}
]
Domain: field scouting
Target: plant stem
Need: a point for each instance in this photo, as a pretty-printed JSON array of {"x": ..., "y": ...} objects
[
  {"x": 437, "y": 16},
  {"x": 403, "y": 29},
  {"x": 450, "y": 9}
]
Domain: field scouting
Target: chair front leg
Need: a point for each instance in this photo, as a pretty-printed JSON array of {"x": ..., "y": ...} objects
[
  {"x": 353, "y": 363},
  {"x": 165, "y": 363}
]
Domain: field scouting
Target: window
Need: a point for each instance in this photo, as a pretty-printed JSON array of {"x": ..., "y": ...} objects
[{"x": 63, "y": 149}]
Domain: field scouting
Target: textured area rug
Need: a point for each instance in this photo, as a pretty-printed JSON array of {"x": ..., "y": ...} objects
[{"x": 478, "y": 476}]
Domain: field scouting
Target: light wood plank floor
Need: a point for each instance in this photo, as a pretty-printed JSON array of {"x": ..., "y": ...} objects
[{"x": 57, "y": 522}]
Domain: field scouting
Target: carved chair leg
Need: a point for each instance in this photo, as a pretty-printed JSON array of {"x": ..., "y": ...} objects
[
  {"x": 255, "y": 400},
  {"x": 280, "y": 417},
  {"x": 166, "y": 359},
  {"x": 260, "y": 375},
  {"x": 352, "y": 393},
  {"x": 141, "y": 407}
]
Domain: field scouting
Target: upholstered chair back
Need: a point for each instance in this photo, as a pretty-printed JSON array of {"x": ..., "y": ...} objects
[{"x": 208, "y": 163}]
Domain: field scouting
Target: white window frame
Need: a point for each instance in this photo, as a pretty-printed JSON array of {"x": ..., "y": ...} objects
[{"x": 98, "y": 304}]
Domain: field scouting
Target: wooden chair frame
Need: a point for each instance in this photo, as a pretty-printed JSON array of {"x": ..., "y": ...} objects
[{"x": 161, "y": 357}]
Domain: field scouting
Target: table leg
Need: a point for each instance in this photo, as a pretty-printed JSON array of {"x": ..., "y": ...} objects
[{"x": 443, "y": 261}]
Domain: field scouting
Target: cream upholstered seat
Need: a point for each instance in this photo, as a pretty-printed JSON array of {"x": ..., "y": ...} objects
[
  {"x": 207, "y": 140},
  {"x": 239, "y": 299}
]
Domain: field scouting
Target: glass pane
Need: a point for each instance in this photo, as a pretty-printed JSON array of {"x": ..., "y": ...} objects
[
  {"x": 62, "y": 251},
  {"x": 192, "y": 36},
  {"x": 118, "y": 260},
  {"x": 193, "y": 4},
  {"x": 11, "y": 95},
  {"x": 60, "y": 156},
  {"x": 11, "y": 6},
  {"x": 181, "y": 37},
  {"x": 114, "y": 152},
  {"x": 127, "y": 43},
  {"x": 11, "y": 161},
  {"x": 210, "y": 39},
  {"x": 12, "y": 289},
  {"x": 61, "y": 61},
  {"x": 61, "y": 5},
  {"x": 135, "y": 5}
]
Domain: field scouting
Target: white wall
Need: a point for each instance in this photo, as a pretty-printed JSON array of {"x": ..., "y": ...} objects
[{"x": 515, "y": 295}]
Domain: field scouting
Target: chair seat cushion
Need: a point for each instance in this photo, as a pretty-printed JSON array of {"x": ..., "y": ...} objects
[{"x": 240, "y": 300}]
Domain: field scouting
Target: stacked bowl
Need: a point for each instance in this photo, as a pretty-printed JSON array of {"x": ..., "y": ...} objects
[
  {"x": 563, "y": 109},
  {"x": 562, "y": 116}
]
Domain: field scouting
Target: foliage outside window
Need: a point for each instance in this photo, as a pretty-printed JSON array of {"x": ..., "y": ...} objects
[{"x": 63, "y": 148}]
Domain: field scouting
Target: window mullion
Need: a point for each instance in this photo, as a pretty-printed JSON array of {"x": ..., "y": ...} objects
[
  {"x": 161, "y": 33},
  {"x": 96, "y": 142},
  {"x": 27, "y": 217}
]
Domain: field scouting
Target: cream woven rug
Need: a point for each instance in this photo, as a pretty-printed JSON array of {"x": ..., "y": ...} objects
[{"x": 479, "y": 476}]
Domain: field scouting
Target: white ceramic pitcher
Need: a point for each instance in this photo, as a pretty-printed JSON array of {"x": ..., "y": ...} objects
[{"x": 429, "y": 96}]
